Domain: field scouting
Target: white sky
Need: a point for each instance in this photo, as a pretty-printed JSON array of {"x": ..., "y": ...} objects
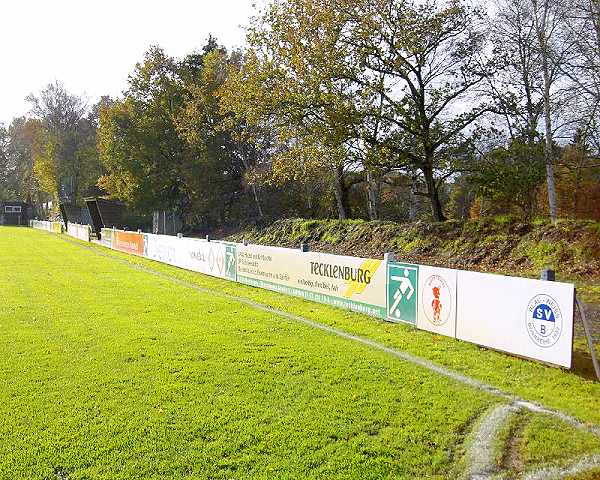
[{"x": 92, "y": 45}]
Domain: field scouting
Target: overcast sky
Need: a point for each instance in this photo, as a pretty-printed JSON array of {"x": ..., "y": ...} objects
[{"x": 92, "y": 45}]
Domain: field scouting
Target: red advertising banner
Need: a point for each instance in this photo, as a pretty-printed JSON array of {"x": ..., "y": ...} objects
[{"x": 130, "y": 242}]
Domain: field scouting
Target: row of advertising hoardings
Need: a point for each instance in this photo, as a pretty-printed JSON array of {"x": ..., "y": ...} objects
[
  {"x": 209, "y": 257},
  {"x": 54, "y": 227},
  {"x": 522, "y": 316},
  {"x": 81, "y": 232},
  {"x": 525, "y": 317}
]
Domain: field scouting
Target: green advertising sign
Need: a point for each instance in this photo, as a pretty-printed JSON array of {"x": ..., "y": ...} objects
[
  {"x": 230, "y": 262},
  {"x": 402, "y": 294}
]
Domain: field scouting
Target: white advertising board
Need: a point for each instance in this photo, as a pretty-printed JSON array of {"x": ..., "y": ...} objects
[
  {"x": 358, "y": 284},
  {"x": 211, "y": 258},
  {"x": 82, "y": 232},
  {"x": 437, "y": 300},
  {"x": 42, "y": 225},
  {"x": 530, "y": 318},
  {"x": 162, "y": 248}
]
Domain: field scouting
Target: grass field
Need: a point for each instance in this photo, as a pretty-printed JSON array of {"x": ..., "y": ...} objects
[{"x": 116, "y": 372}]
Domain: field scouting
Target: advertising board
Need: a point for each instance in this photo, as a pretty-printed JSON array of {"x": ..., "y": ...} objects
[
  {"x": 402, "y": 295},
  {"x": 437, "y": 300},
  {"x": 358, "y": 284},
  {"x": 129, "y": 242},
  {"x": 530, "y": 318},
  {"x": 106, "y": 237},
  {"x": 82, "y": 232},
  {"x": 211, "y": 258}
]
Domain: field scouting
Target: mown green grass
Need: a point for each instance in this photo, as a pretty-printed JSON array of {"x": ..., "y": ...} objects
[{"x": 112, "y": 372}]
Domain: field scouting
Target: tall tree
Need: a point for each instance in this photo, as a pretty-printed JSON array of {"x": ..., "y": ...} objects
[
  {"x": 517, "y": 88},
  {"x": 428, "y": 64},
  {"x": 218, "y": 138},
  {"x": 138, "y": 141},
  {"x": 548, "y": 22},
  {"x": 67, "y": 163},
  {"x": 24, "y": 136},
  {"x": 291, "y": 83},
  {"x": 582, "y": 67},
  {"x": 7, "y": 175}
]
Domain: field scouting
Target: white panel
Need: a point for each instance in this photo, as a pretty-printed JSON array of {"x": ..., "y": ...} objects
[
  {"x": 437, "y": 300},
  {"x": 189, "y": 253},
  {"x": 82, "y": 232},
  {"x": 531, "y": 318},
  {"x": 202, "y": 256},
  {"x": 161, "y": 248}
]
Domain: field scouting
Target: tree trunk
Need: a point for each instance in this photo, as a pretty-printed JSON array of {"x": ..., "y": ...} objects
[
  {"x": 246, "y": 165},
  {"x": 413, "y": 205},
  {"x": 373, "y": 187},
  {"x": 257, "y": 201},
  {"x": 341, "y": 194},
  {"x": 437, "y": 211},
  {"x": 576, "y": 192},
  {"x": 541, "y": 27},
  {"x": 548, "y": 156}
]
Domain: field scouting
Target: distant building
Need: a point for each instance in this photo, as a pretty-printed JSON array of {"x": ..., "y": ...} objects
[{"x": 15, "y": 213}]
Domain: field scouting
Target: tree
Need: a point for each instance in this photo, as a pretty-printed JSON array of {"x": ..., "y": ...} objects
[
  {"x": 138, "y": 141},
  {"x": 216, "y": 136},
  {"x": 517, "y": 87},
  {"x": 511, "y": 176},
  {"x": 291, "y": 84},
  {"x": 67, "y": 164},
  {"x": 582, "y": 66},
  {"x": 428, "y": 65},
  {"x": 165, "y": 145},
  {"x": 20, "y": 146},
  {"x": 547, "y": 16},
  {"x": 7, "y": 187},
  {"x": 532, "y": 38}
]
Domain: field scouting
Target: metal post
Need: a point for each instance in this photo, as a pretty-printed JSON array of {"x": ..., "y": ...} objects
[
  {"x": 304, "y": 247},
  {"x": 588, "y": 333},
  {"x": 389, "y": 257},
  {"x": 548, "y": 274},
  {"x": 208, "y": 238}
]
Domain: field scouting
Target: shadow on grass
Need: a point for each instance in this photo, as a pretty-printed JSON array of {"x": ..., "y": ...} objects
[{"x": 582, "y": 365}]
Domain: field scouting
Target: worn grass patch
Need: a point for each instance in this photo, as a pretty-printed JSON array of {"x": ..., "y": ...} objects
[{"x": 546, "y": 442}]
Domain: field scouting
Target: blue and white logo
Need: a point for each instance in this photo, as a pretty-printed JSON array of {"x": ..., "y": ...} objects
[{"x": 544, "y": 320}]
